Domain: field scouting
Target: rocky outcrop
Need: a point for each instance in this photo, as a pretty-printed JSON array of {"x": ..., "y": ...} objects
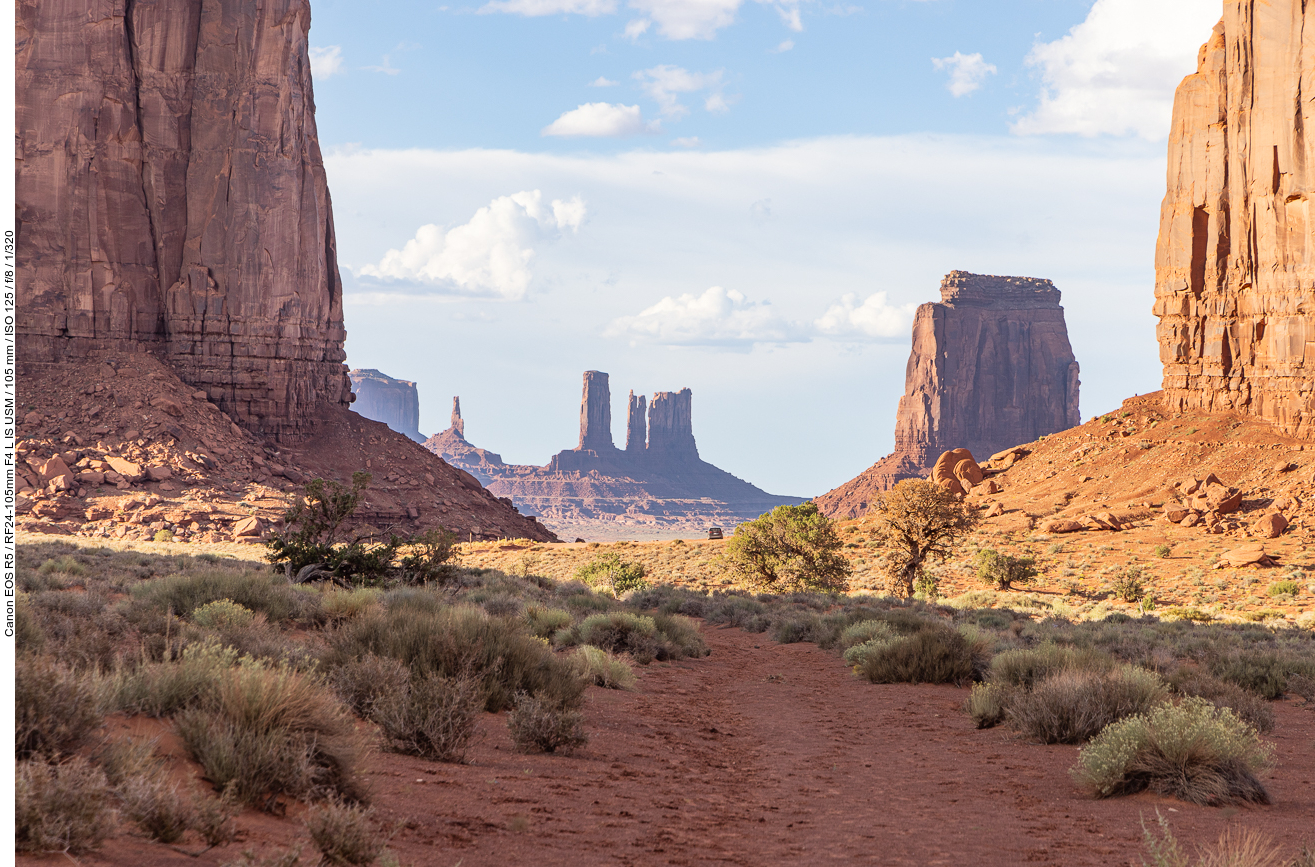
[
  {"x": 658, "y": 484},
  {"x": 990, "y": 367},
  {"x": 170, "y": 194},
  {"x": 1235, "y": 259},
  {"x": 395, "y": 402}
]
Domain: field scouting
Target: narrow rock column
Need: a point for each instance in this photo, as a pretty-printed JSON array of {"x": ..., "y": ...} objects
[
  {"x": 636, "y": 425},
  {"x": 458, "y": 424},
  {"x": 670, "y": 424},
  {"x": 596, "y": 412}
]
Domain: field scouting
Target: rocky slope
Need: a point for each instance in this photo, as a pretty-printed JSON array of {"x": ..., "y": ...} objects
[
  {"x": 1233, "y": 261},
  {"x": 657, "y": 486},
  {"x": 990, "y": 366},
  {"x": 395, "y": 402}
]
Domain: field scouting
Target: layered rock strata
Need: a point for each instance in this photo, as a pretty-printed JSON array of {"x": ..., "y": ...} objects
[
  {"x": 170, "y": 194},
  {"x": 990, "y": 367},
  {"x": 1235, "y": 259},
  {"x": 395, "y": 402},
  {"x": 657, "y": 485}
]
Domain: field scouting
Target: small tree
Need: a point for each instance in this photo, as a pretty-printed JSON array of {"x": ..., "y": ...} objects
[
  {"x": 790, "y": 548},
  {"x": 1003, "y": 570},
  {"x": 918, "y": 520},
  {"x": 609, "y": 572}
]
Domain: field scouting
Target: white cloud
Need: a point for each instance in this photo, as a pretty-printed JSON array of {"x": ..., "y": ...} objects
[
  {"x": 686, "y": 141},
  {"x": 603, "y": 81},
  {"x": 718, "y": 317},
  {"x": 664, "y": 83},
  {"x": 783, "y": 47},
  {"x": 688, "y": 19},
  {"x": 637, "y": 28},
  {"x": 1115, "y": 73},
  {"x": 488, "y": 256},
  {"x": 600, "y": 119},
  {"x": 875, "y": 318},
  {"x": 536, "y": 8},
  {"x": 325, "y": 61},
  {"x": 967, "y": 72}
]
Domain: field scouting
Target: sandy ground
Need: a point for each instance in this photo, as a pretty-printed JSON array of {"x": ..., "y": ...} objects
[{"x": 770, "y": 754}]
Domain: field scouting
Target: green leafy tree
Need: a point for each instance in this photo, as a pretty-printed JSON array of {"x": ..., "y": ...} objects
[
  {"x": 790, "y": 548},
  {"x": 609, "y": 572},
  {"x": 1004, "y": 570},
  {"x": 917, "y": 521}
]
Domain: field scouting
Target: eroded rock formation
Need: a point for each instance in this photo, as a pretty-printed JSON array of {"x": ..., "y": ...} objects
[
  {"x": 1235, "y": 260},
  {"x": 657, "y": 484},
  {"x": 170, "y": 191},
  {"x": 990, "y": 367},
  {"x": 395, "y": 402}
]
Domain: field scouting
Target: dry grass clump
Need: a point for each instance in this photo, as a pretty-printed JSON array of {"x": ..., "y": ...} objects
[
  {"x": 433, "y": 716},
  {"x": 1192, "y": 751},
  {"x": 1235, "y": 848},
  {"x": 366, "y": 683},
  {"x": 55, "y": 709},
  {"x": 65, "y": 807},
  {"x": 538, "y": 726},
  {"x": 603, "y": 669},
  {"x": 938, "y": 654},
  {"x": 544, "y": 622},
  {"x": 1073, "y": 705},
  {"x": 1254, "y": 710},
  {"x": 344, "y": 835},
  {"x": 157, "y": 807},
  {"x": 266, "y": 593}
]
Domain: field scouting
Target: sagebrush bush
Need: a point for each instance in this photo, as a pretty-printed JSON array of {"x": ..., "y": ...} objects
[
  {"x": 603, "y": 669},
  {"x": 623, "y": 632},
  {"x": 1025, "y": 667},
  {"x": 544, "y": 622},
  {"x": 367, "y": 682},
  {"x": 1073, "y": 705},
  {"x": 337, "y": 604},
  {"x": 682, "y": 635},
  {"x": 1192, "y": 751},
  {"x": 67, "y": 807},
  {"x": 156, "y": 806},
  {"x": 613, "y": 575},
  {"x": 863, "y": 632},
  {"x": 222, "y": 614},
  {"x": 1246, "y": 704},
  {"x": 535, "y": 725},
  {"x": 987, "y": 703},
  {"x": 344, "y": 834},
  {"x": 458, "y": 640},
  {"x": 55, "y": 709},
  {"x": 435, "y": 717},
  {"x": 164, "y": 688},
  {"x": 182, "y": 594},
  {"x": 935, "y": 655},
  {"x": 1284, "y": 588},
  {"x": 1264, "y": 672}
]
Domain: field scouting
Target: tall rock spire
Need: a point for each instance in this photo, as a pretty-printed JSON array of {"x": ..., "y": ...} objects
[
  {"x": 458, "y": 424},
  {"x": 671, "y": 425},
  {"x": 596, "y": 413},
  {"x": 636, "y": 424}
]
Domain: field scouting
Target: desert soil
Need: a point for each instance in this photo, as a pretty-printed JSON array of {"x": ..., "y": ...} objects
[{"x": 770, "y": 754}]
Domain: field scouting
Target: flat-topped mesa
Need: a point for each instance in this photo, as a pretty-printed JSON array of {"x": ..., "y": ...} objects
[
  {"x": 961, "y": 288},
  {"x": 671, "y": 426},
  {"x": 1235, "y": 257},
  {"x": 636, "y": 424},
  {"x": 596, "y": 413},
  {"x": 395, "y": 402},
  {"x": 179, "y": 202},
  {"x": 990, "y": 367}
]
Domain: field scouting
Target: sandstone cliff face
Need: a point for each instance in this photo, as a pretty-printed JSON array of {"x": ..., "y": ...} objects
[
  {"x": 596, "y": 412},
  {"x": 1235, "y": 259},
  {"x": 990, "y": 367},
  {"x": 170, "y": 192},
  {"x": 395, "y": 402}
]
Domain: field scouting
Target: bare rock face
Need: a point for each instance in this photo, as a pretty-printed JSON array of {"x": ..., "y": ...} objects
[
  {"x": 990, "y": 367},
  {"x": 596, "y": 413},
  {"x": 451, "y": 446},
  {"x": 636, "y": 427},
  {"x": 1234, "y": 260},
  {"x": 170, "y": 194},
  {"x": 395, "y": 402},
  {"x": 671, "y": 426}
]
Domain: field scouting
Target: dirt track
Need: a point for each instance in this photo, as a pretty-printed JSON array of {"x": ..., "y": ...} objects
[{"x": 775, "y": 754}]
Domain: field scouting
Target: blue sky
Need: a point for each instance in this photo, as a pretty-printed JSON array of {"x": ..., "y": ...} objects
[{"x": 745, "y": 198}]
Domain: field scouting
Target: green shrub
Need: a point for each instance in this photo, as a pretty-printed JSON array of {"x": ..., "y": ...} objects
[
  {"x": 623, "y": 632},
  {"x": 1026, "y": 667},
  {"x": 789, "y": 548},
  {"x": 434, "y": 717},
  {"x": 1162, "y": 551},
  {"x": 1252, "y": 709},
  {"x": 156, "y": 806},
  {"x": 1261, "y": 671},
  {"x": 164, "y": 688},
  {"x": 256, "y": 591},
  {"x": 55, "y": 709},
  {"x": 535, "y": 725},
  {"x": 1002, "y": 571},
  {"x": 1128, "y": 585},
  {"x": 65, "y": 565},
  {"x": 337, "y": 605},
  {"x": 1284, "y": 588},
  {"x": 66, "y": 807},
  {"x": 29, "y": 637},
  {"x": 682, "y": 636},
  {"x": 163, "y": 536},
  {"x": 863, "y": 632},
  {"x": 366, "y": 683},
  {"x": 987, "y": 703},
  {"x": 1073, "y": 705},
  {"x": 935, "y": 655},
  {"x": 545, "y": 622},
  {"x": 612, "y": 574},
  {"x": 603, "y": 669},
  {"x": 223, "y": 614},
  {"x": 344, "y": 835},
  {"x": 1192, "y": 751}
]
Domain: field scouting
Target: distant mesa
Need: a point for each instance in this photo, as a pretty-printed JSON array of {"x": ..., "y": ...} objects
[
  {"x": 657, "y": 482},
  {"x": 395, "y": 402},
  {"x": 991, "y": 367}
]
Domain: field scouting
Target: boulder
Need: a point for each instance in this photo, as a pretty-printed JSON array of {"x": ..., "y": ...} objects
[
  {"x": 996, "y": 510},
  {"x": 1063, "y": 526},
  {"x": 159, "y": 474},
  {"x": 55, "y": 471},
  {"x": 968, "y": 473},
  {"x": 1247, "y": 555},
  {"x": 1103, "y": 521},
  {"x": 168, "y": 405},
  {"x": 130, "y": 471},
  {"x": 1270, "y": 525},
  {"x": 252, "y": 526},
  {"x": 1175, "y": 512},
  {"x": 942, "y": 472}
]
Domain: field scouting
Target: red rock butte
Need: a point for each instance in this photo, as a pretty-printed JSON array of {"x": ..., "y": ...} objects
[
  {"x": 990, "y": 367},
  {"x": 1235, "y": 259},
  {"x": 395, "y": 402}
]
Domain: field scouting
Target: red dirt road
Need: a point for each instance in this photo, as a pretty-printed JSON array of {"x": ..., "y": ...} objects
[{"x": 776, "y": 754}]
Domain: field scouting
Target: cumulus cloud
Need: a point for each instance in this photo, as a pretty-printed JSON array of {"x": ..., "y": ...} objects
[
  {"x": 664, "y": 84},
  {"x": 783, "y": 47},
  {"x": 874, "y": 319},
  {"x": 718, "y": 317},
  {"x": 325, "y": 61},
  {"x": 536, "y": 8},
  {"x": 1115, "y": 73},
  {"x": 967, "y": 72},
  {"x": 603, "y": 81},
  {"x": 489, "y": 256},
  {"x": 687, "y": 19},
  {"x": 600, "y": 119}
]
